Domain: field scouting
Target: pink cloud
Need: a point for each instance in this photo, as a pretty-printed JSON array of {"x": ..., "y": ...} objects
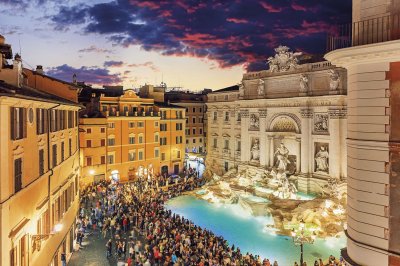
[
  {"x": 237, "y": 20},
  {"x": 271, "y": 8},
  {"x": 298, "y": 7}
]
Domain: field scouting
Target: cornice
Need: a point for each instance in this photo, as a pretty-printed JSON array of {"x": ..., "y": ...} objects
[{"x": 363, "y": 54}]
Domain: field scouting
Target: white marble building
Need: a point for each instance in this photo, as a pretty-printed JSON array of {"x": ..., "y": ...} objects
[{"x": 290, "y": 117}]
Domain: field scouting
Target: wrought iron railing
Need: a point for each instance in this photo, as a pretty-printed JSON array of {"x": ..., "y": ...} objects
[{"x": 375, "y": 30}]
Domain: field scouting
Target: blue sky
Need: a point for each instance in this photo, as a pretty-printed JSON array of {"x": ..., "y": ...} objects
[{"x": 188, "y": 43}]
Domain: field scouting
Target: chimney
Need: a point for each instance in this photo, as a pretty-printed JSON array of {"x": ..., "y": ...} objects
[
  {"x": 39, "y": 69},
  {"x": 74, "y": 79}
]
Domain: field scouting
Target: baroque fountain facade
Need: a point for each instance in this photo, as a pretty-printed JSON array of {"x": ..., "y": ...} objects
[{"x": 276, "y": 144}]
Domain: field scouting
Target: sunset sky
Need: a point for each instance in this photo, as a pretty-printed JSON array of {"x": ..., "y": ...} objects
[{"x": 192, "y": 44}]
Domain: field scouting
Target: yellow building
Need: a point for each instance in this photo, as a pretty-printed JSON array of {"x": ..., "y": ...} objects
[
  {"x": 39, "y": 169},
  {"x": 123, "y": 136}
]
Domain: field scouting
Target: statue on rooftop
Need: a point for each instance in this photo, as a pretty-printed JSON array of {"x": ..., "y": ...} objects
[{"x": 284, "y": 60}]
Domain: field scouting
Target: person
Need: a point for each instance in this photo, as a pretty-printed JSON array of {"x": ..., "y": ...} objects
[
  {"x": 316, "y": 263},
  {"x": 109, "y": 248},
  {"x": 275, "y": 263},
  {"x": 63, "y": 259}
]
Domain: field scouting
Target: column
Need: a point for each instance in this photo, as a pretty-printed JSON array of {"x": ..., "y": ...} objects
[
  {"x": 334, "y": 142},
  {"x": 306, "y": 156},
  {"x": 271, "y": 151},
  {"x": 298, "y": 155},
  {"x": 263, "y": 137},
  {"x": 244, "y": 135}
]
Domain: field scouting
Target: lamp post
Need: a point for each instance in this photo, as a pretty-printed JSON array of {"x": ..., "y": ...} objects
[{"x": 300, "y": 237}]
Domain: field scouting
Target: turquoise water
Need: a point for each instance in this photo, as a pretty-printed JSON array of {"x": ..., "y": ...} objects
[{"x": 247, "y": 232}]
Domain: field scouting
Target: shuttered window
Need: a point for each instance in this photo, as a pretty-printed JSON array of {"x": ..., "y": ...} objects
[
  {"x": 18, "y": 120},
  {"x": 41, "y": 162},
  {"x": 17, "y": 174}
]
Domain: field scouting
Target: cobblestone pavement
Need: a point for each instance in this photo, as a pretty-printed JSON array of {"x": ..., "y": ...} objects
[{"x": 93, "y": 252}]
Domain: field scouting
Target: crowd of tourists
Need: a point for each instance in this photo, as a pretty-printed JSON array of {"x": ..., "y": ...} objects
[{"x": 141, "y": 231}]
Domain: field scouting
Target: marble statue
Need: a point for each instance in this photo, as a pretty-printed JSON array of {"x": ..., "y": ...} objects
[
  {"x": 260, "y": 89},
  {"x": 284, "y": 60},
  {"x": 241, "y": 89},
  {"x": 321, "y": 159},
  {"x": 303, "y": 83},
  {"x": 282, "y": 154},
  {"x": 334, "y": 80},
  {"x": 254, "y": 122},
  {"x": 255, "y": 151}
]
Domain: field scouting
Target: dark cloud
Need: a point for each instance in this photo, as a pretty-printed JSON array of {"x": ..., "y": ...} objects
[
  {"x": 229, "y": 32},
  {"x": 91, "y": 75},
  {"x": 113, "y": 63}
]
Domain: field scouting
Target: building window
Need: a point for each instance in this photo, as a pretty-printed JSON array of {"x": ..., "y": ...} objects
[
  {"x": 238, "y": 118},
  {"x": 194, "y": 140},
  {"x": 226, "y": 144},
  {"x": 187, "y": 141},
  {"x": 54, "y": 149},
  {"x": 89, "y": 130},
  {"x": 215, "y": 116},
  {"x": 194, "y": 131},
  {"x": 102, "y": 130},
  {"x": 179, "y": 114},
  {"x": 140, "y": 138},
  {"x": 132, "y": 156},
  {"x": 17, "y": 175},
  {"x": 226, "y": 116},
  {"x": 104, "y": 108},
  {"x": 111, "y": 141},
  {"x": 156, "y": 153},
  {"x": 194, "y": 120},
  {"x": 156, "y": 137},
  {"x": 110, "y": 159},
  {"x": 88, "y": 143},
  {"x": 215, "y": 143},
  {"x": 187, "y": 131},
  {"x": 131, "y": 124},
  {"x": 163, "y": 127},
  {"x": 41, "y": 162},
  {"x": 41, "y": 121},
  {"x": 88, "y": 161},
  {"x": 18, "y": 123},
  {"x": 163, "y": 156},
  {"x": 200, "y": 110},
  {"x": 140, "y": 124},
  {"x": 238, "y": 148},
  {"x": 178, "y": 154},
  {"x": 156, "y": 123},
  {"x": 201, "y": 131},
  {"x": 179, "y": 139},
  {"x": 163, "y": 141},
  {"x": 62, "y": 151},
  {"x": 194, "y": 109},
  {"x": 201, "y": 140},
  {"x": 103, "y": 142},
  {"x": 132, "y": 139},
  {"x": 226, "y": 97},
  {"x": 140, "y": 155},
  {"x": 103, "y": 159},
  {"x": 179, "y": 126},
  {"x": 111, "y": 125}
]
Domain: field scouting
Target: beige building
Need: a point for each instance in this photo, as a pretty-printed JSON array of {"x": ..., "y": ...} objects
[
  {"x": 371, "y": 56},
  {"x": 39, "y": 169},
  {"x": 301, "y": 111}
]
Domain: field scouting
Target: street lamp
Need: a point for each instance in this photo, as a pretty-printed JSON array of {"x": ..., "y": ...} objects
[
  {"x": 36, "y": 239},
  {"x": 300, "y": 237}
]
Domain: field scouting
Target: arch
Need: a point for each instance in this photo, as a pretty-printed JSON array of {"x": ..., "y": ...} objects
[{"x": 284, "y": 122}]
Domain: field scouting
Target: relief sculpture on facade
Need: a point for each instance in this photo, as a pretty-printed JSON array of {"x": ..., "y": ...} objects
[
  {"x": 254, "y": 122},
  {"x": 303, "y": 83},
  {"x": 321, "y": 123}
]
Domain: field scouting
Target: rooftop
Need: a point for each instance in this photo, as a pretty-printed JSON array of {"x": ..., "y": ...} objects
[{"x": 231, "y": 88}]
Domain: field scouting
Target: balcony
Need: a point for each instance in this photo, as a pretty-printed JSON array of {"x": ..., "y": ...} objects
[{"x": 375, "y": 30}]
